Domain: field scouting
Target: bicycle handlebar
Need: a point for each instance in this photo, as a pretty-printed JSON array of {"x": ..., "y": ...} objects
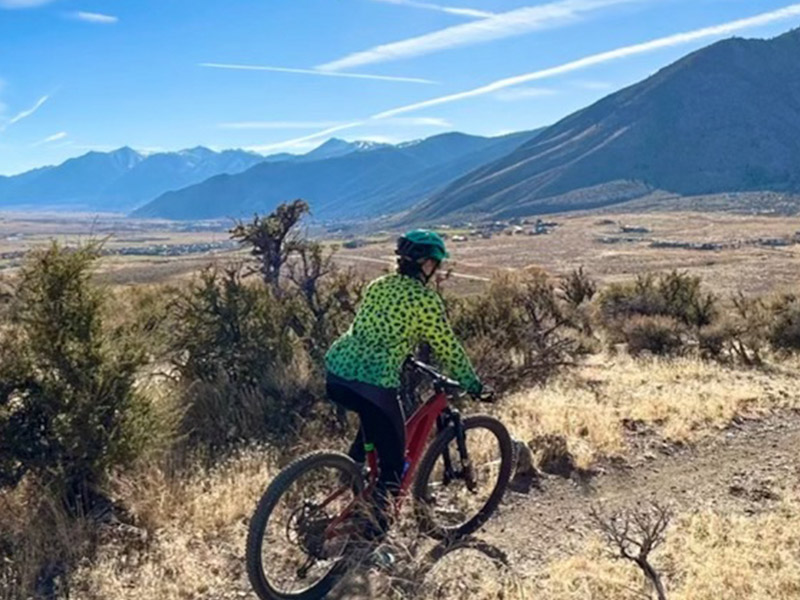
[
  {"x": 445, "y": 383},
  {"x": 437, "y": 377}
]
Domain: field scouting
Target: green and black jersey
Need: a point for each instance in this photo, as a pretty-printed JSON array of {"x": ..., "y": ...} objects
[{"x": 397, "y": 314}]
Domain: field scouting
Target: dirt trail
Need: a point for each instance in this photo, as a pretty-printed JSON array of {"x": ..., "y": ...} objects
[{"x": 743, "y": 469}]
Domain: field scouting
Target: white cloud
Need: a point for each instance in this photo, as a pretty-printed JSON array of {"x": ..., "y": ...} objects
[
  {"x": 307, "y": 141},
  {"x": 524, "y": 93},
  {"x": 278, "y": 124},
  {"x": 669, "y": 41},
  {"x": 313, "y": 72},
  {"x": 25, "y": 113},
  {"x": 49, "y": 139},
  {"x": 419, "y": 122},
  {"x": 23, "y": 3},
  {"x": 303, "y": 141},
  {"x": 594, "y": 85},
  {"x": 91, "y": 17},
  {"x": 499, "y": 26},
  {"x": 453, "y": 10}
]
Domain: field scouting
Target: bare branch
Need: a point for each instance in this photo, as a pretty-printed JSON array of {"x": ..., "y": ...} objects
[{"x": 633, "y": 534}]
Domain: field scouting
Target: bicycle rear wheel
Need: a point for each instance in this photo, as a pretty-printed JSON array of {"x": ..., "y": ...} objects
[
  {"x": 296, "y": 549},
  {"x": 451, "y": 505}
]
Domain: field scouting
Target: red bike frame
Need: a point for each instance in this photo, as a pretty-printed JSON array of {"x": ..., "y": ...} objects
[{"x": 418, "y": 430}]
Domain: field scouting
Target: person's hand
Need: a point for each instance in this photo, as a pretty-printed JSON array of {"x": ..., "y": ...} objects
[{"x": 485, "y": 395}]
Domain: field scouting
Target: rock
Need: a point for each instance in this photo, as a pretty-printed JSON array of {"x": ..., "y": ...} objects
[
  {"x": 523, "y": 459},
  {"x": 525, "y": 475},
  {"x": 553, "y": 454}
]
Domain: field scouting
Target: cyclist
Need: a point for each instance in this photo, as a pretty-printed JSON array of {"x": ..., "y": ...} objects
[{"x": 364, "y": 365}]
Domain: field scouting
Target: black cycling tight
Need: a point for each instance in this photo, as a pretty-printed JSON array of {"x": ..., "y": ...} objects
[{"x": 382, "y": 424}]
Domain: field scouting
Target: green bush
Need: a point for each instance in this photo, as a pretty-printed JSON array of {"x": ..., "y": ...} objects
[
  {"x": 233, "y": 346},
  {"x": 517, "y": 330},
  {"x": 69, "y": 409},
  {"x": 659, "y": 335},
  {"x": 676, "y": 296},
  {"x": 784, "y": 328}
]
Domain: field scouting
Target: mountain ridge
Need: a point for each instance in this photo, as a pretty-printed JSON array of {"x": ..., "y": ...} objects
[
  {"x": 723, "y": 118},
  {"x": 365, "y": 183}
]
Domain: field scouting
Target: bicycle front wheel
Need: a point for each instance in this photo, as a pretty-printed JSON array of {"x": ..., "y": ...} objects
[
  {"x": 456, "y": 501},
  {"x": 296, "y": 545}
]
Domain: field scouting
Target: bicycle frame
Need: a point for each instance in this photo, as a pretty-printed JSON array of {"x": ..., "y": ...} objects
[{"x": 418, "y": 431}]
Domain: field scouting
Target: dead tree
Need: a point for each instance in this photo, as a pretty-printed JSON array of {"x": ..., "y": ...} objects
[
  {"x": 330, "y": 294},
  {"x": 634, "y": 534},
  {"x": 272, "y": 239}
]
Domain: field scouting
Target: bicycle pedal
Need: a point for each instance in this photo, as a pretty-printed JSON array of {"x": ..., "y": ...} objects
[{"x": 382, "y": 558}]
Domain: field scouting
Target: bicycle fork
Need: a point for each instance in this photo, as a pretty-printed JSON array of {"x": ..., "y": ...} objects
[{"x": 466, "y": 471}]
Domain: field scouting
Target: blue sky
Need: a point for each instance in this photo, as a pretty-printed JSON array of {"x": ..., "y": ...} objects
[{"x": 156, "y": 75}]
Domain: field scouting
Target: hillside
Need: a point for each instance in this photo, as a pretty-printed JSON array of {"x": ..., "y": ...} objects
[
  {"x": 363, "y": 182},
  {"x": 722, "y": 119}
]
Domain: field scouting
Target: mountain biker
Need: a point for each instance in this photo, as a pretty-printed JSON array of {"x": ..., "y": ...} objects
[{"x": 398, "y": 312}]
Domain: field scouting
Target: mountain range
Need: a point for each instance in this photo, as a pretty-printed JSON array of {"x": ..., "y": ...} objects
[
  {"x": 118, "y": 181},
  {"x": 340, "y": 180},
  {"x": 725, "y": 118}
]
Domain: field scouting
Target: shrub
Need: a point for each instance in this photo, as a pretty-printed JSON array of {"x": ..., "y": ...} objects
[
  {"x": 250, "y": 356},
  {"x": 69, "y": 409},
  {"x": 740, "y": 334},
  {"x": 784, "y": 328},
  {"x": 658, "y": 335},
  {"x": 675, "y": 296},
  {"x": 516, "y": 330},
  {"x": 272, "y": 239},
  {"x": 233, "y": 348},
  {"x": 577, "y": 290},
  {"x": 326, "y": 297}
]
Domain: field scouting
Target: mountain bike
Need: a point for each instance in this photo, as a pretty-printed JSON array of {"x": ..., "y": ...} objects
[{"x": 305, "y": 528}]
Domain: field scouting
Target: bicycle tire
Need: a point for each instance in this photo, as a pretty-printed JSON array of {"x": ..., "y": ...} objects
[
  {"x": 260, "y": 519},
  {"x": 426, "y": 466}
]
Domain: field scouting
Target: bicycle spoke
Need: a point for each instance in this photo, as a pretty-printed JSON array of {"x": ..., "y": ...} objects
[
  {"x": 302, "y": 542},
  {"x": 452, "y": 502}
]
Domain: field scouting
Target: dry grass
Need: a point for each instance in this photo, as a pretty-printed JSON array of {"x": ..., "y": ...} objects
[
  {"x": 681, "y": 400},
  {"x": 707, "y": 556},
  {"x": 196, "y": 528},
  {"x": 197, "y": 525}
]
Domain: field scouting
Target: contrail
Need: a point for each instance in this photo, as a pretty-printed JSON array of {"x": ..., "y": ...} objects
[
  {"x": 669, "y": 41},
  {"x": 315, "y": 72}
]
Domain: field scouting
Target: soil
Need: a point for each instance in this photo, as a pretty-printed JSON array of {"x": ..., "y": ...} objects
[{"x": 744, "y": 469}]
